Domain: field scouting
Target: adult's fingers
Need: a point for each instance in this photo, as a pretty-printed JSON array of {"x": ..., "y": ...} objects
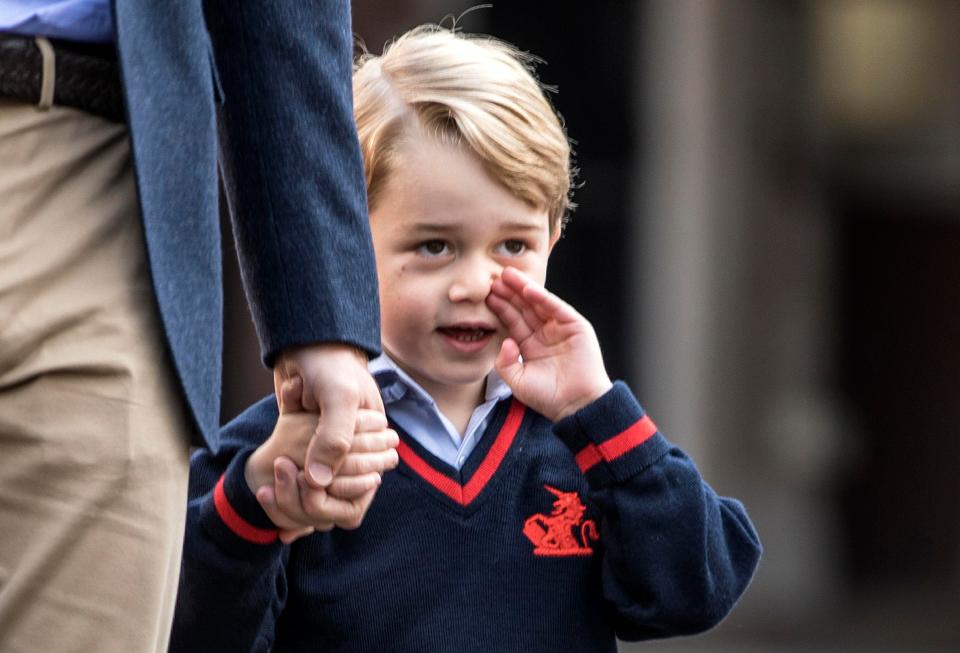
[
  {"x": 348, "y": 387},
  {"x": 370, "y": 393},
  {"x": 374, "y": 441},
  {"x": 331, "y": 443},
  {"x": 353, "y": 487},
  {"x": 365, "y": 463}
]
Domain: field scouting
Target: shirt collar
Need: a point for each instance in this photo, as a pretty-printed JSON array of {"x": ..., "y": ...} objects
[{"x": 395, "y": 383}]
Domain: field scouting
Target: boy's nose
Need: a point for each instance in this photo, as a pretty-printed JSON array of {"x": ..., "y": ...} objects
[{"x": 472, "y": 281}]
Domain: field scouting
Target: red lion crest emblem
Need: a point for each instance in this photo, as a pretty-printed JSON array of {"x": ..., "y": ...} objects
[{"x": 563, "y": 532}]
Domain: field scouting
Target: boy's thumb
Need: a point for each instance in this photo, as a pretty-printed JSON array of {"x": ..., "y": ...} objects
[
  {"x": 508, "y": 364},
  {"x": 291, "y": 395}
]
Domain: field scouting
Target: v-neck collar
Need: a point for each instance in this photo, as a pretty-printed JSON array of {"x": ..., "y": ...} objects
[
  {"x": 414, "y": 410},
  {"x": 481, "y": 465}
]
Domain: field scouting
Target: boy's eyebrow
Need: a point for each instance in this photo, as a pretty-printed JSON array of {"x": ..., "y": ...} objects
[
  {"x": 433, "y": 227},
  {"x": 522, "y": 225},
  {"x": 419, "y": 228},
  {"x": 447, "y": 227}
]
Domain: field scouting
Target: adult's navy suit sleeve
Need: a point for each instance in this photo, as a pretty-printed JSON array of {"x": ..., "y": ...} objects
[
  {"x": 676, "y": 556},
  {"x": 233, "y": 583},
  {"x": 292, "y": 170}
]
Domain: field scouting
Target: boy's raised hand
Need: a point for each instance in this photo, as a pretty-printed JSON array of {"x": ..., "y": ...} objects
[{"x": 551, "y": 357}]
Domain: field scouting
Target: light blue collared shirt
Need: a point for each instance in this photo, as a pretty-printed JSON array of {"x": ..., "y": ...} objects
[
  {"x": 415, "y": 411},
  {"x": 89, "y": 21}
]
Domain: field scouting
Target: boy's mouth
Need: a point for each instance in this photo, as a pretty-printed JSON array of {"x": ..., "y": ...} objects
[
  {"x": 466, "y": 334},
  {"x": 467, "y": 338}
]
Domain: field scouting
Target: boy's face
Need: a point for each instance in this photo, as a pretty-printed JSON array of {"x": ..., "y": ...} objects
[{"x": 442, "y": 232}]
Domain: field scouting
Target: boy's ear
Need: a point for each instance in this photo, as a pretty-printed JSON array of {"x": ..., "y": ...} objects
[{"x": 554, "y": 237}]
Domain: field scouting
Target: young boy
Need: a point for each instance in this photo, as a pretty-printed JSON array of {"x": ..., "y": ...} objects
[{"x": 535, "y": 506}]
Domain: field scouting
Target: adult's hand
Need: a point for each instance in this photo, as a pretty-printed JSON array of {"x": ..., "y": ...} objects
[
  {"x": 298, "y": 509},
  {"x": 336, "y": 384}
]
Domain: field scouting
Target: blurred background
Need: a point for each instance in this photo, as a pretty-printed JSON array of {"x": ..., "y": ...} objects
[{"x": 768, "y": 243}]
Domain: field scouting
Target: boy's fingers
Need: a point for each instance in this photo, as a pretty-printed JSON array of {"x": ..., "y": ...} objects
[
  {"x": 353, "y": 487},
  {"x": 266, "y": 497},
  {"x": 296, "y": 508},
  {"x": 315, "y": 504},
  {"x": 525, "y": 308},
  {"x": 515, "y": 279},
  {"x": 501, "y": 289},
  {"x": 288, "y": 537},
  {"x": 511, "y": 317},
  {"x": 345, "y": 513},
  {"x": 536, "y": 296},
  {"x": 298, "y": 430},
  {"x": 549, "y": 306},
  {"x": 536, "y": 304},
  {"x": 356, "y": 510},
  {"x": 518, "y": 302},
  {"x": 287, "y": 495},
  {"x": 365, "y": 463},
  {"x": 291, "y": 395},
  {"x": 508, "y": 363},
  {"x": 374, "y": 441}
]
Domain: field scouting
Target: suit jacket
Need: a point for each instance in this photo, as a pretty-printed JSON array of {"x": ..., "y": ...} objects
[{"x": 266, "y": 84}]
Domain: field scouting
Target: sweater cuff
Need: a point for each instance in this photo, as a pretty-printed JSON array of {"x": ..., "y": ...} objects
[
  {"x": 612, "y": 438},
  {"x": 232, "y": 516}
]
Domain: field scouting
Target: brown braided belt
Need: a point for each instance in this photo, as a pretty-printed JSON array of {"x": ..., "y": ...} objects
[{"x": 87, "y": 76}]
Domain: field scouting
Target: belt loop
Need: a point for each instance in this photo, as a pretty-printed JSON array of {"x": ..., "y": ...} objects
[{"x": 49, "y": 73}]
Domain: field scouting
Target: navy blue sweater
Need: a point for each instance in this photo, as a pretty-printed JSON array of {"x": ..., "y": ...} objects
[{"x": 550, "y": 538}]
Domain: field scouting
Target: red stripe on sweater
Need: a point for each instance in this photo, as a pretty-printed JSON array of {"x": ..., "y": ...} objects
[
  {"x": 240, "y": 526},
  {"x": 631, "y": 438},
  {"x": 490, "y": 464},
  {"x": 464, "y": 494},
  {"x": 440, "y": 481}
]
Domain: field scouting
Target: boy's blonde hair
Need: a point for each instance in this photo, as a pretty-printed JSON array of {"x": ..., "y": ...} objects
[{"x": 463, "y": 89}]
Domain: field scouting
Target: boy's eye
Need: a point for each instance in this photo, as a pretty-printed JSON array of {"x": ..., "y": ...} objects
[
  {"x": 433, "y": 248},
  {"x": 513, "y": 247}
]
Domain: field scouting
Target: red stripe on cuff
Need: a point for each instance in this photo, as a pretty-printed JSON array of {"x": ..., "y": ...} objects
[
  {"x": 588, "y": 457},
  {"x": 240, "y": 526},
  {"x": 631, "y": 438}
]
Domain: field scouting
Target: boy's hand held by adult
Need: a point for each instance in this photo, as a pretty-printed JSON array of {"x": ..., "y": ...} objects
[
  {"x": 551, "y": 358},
  {"x": 298, "y": 509},
  {"x": 336, "y": 384},
  {"x": 273, "y": 471}
]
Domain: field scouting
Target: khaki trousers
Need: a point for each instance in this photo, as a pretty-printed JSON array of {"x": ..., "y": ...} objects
[{"x": 93, "y": 433}]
